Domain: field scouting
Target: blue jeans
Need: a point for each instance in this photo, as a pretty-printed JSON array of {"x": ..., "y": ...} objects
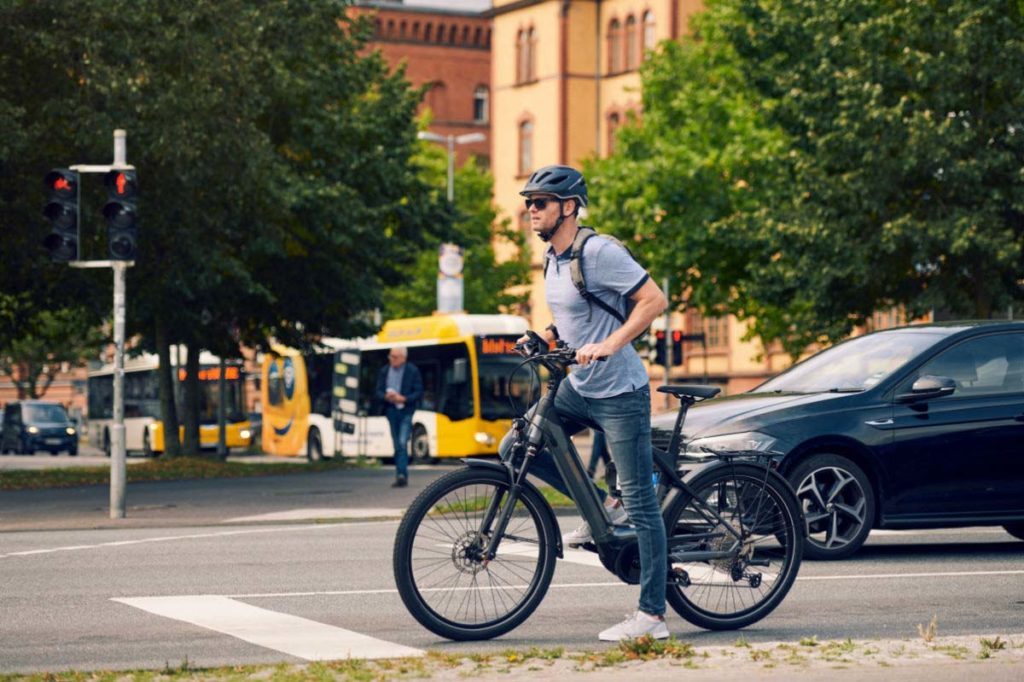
[
  {"x": 401, "y": 429},
  {"x": 626, "y": 422}
]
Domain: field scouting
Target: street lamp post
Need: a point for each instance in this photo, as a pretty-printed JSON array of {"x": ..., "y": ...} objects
[{"x": 451, "y": 141}]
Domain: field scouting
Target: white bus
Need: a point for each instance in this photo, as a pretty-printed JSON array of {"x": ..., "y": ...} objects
[{"x": 143, "y": 426}]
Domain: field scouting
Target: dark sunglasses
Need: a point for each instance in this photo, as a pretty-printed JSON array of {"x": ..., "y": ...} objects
[{"x": 541, "y": 204}]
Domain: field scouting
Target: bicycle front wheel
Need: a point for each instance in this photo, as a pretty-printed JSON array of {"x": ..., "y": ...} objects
[
  {"x": 439, "y": 568},
  {"x": 753, "y": 572}
]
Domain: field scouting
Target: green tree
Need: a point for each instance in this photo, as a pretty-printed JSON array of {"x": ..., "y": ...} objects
[
  {"x": 702, "y": 155},
  {"x": 276, "y": 192},
  {"x": 810, "y": 162},
  {"x": 905, "y": 120},
  {"x": 489, "y": 286},
  {"x": 47, "y": 342}
]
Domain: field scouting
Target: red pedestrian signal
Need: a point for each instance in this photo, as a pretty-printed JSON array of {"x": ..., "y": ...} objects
[
  {"x": 61, "y": 210},
  {"x": 119, "y": 211}
]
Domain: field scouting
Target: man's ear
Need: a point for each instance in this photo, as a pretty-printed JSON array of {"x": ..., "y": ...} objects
[{"x": 572, "y": 208}]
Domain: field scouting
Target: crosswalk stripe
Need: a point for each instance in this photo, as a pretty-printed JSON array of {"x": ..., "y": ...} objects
[{"x": 282, "y": 632}]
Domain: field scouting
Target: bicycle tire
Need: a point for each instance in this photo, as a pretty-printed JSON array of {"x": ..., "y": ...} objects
[
  {"x": 722, "y": 594},
  {"x": 434, "y": 543}
]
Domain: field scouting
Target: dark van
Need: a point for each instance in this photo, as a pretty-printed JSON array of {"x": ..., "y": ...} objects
[{"x": 31, "y": 425}]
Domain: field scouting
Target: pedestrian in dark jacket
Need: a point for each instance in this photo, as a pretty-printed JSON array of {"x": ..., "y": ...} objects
[{"x": 399, "y": 388}]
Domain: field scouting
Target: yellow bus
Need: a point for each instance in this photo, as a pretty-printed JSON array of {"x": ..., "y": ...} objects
[
  {"x": 143, "y": 427},
  {"x": 465, "y": 361}
]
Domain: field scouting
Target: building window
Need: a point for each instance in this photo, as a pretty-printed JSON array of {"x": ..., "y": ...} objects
[
  {"x": 614, "y": 121},
  {"x": 477, "y": 35},
  {"x": 480, "y": 104},
  {"x": 428, "y": 32},
  {"x": 632, "y": 42},
  {"x": 649, "y": 37},
  {"x": 716, "y": 331},
  {"x": 614, "y": 46},
  {"x": 525, "y": 69},
  {"x": 525, "y": 147}
]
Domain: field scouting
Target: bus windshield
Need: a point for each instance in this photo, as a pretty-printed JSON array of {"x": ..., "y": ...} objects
[{"x": 497, "y": 384}]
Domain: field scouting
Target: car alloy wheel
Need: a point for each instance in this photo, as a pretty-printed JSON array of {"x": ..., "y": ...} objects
[{"x": 838, "y": 504}]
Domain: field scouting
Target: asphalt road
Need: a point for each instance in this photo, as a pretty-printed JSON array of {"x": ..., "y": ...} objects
[{"x": 190, "y": 557}]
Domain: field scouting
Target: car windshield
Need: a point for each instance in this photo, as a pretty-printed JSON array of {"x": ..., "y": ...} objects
[
  {"x": 854, "y": 365},
  {"x": 45, "y": 413}
]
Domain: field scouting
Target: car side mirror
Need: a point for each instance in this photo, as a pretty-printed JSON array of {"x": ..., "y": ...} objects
[{"x": 926, "y": 388}]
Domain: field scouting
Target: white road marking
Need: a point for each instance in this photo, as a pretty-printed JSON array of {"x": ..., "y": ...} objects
[
  {"x": 171, "y": 538},
  {"x": 307, "y": 514},
  {"x": 557, "y": 586},
  {"x": 282, "y": 632}
]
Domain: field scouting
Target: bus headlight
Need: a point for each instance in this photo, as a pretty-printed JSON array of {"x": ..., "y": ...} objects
[
  {"x": 484, "y": 438},
  {"x": 245, "y": 434}
]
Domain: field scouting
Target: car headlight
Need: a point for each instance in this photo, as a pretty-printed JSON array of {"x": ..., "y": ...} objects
[
  {"x": 33, "y": 429},
  {"x": 245, "y": 433},
  {"x": 484, "y": 438},
  {"x": 699, "y": 448},
  {"x": 70, "y": 430}
]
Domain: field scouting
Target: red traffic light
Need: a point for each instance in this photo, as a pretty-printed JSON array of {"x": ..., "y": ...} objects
[
  {"x": 121, "y": 184},
  {"x": 61, "y": 184}
]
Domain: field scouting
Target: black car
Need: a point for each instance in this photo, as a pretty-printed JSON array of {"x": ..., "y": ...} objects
[
  {"x": 915, "y": 427},
  {"x": 31, "y": 425}
]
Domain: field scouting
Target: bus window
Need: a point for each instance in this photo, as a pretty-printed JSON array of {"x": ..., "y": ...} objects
[
  {"x": 456, "y": 394},
  {"x": 319, "y": 369},
  {"x": 498, "y": 384},
  {"x": 370, "y": 362}
]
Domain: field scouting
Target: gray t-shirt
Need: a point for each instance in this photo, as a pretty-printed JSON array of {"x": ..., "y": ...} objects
[{"x": 613, "y": 275}]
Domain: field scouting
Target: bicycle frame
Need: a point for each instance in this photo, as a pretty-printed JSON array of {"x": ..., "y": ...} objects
[{"x": 544, "y": 430}]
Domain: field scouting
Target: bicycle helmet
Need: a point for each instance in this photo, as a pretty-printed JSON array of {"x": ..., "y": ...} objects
[{"x": 563, "y": 182}]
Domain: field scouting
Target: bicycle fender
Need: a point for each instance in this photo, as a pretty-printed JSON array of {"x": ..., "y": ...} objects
[{"x": 498, "y": 466}]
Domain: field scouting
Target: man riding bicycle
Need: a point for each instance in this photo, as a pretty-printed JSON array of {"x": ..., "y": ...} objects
[{"x": 614, "y": 395}]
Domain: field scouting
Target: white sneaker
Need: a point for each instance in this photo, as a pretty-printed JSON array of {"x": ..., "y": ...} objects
[
  {"x": 582, "y": 535},
  {"x": 637, "y": 625}
]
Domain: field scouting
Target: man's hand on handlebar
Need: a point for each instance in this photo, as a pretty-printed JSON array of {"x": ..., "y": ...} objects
[{"x": 593, "y": 352}]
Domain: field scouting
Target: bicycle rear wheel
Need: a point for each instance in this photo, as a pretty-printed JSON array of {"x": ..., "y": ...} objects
[
  {"x": 439, "y": 570},
  {"x": 744, "y": 587}
]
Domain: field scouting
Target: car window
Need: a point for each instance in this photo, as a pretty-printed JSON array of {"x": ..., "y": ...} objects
[
  {"x": 45, "y": 413},
  {"x": 857, "y": 364},
  {"x": 985, "y": 365}
]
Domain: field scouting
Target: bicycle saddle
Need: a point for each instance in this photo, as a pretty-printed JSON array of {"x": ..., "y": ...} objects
[{"x": 703, "y": 392}]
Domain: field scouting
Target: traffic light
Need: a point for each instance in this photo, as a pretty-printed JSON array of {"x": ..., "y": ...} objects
[
  {"x": 122, "y": 232},
  {"x": 677, "y": 347},
  {"x": 62, "y": 211},
  {"x": 659, "y": 347}
]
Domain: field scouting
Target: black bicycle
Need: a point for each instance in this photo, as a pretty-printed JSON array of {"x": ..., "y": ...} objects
[{"x": 475, "y": 552}]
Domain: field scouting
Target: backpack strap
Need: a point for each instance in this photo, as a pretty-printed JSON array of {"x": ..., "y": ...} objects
[{"x": 576, "y": 272}]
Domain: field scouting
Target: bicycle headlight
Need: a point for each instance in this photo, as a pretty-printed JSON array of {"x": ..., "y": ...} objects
[{"x": 698, "y": 449}]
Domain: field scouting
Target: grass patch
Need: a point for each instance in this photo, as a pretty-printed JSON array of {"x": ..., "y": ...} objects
[
  {"x": 180, "y": 468},
  {"x": 646, "y": 648}
]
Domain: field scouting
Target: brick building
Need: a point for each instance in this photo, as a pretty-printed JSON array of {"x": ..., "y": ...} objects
[{"x": 449, "y": 51}]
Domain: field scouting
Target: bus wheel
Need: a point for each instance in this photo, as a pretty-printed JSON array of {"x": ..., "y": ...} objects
[
  {"x": 314, "y": 447},
  {"x": 147, "y": 447},
  {"x": 420, "y": 445}
]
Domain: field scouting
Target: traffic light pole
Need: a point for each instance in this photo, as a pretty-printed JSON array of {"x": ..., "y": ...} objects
[{"x": 118, "y": 454}]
